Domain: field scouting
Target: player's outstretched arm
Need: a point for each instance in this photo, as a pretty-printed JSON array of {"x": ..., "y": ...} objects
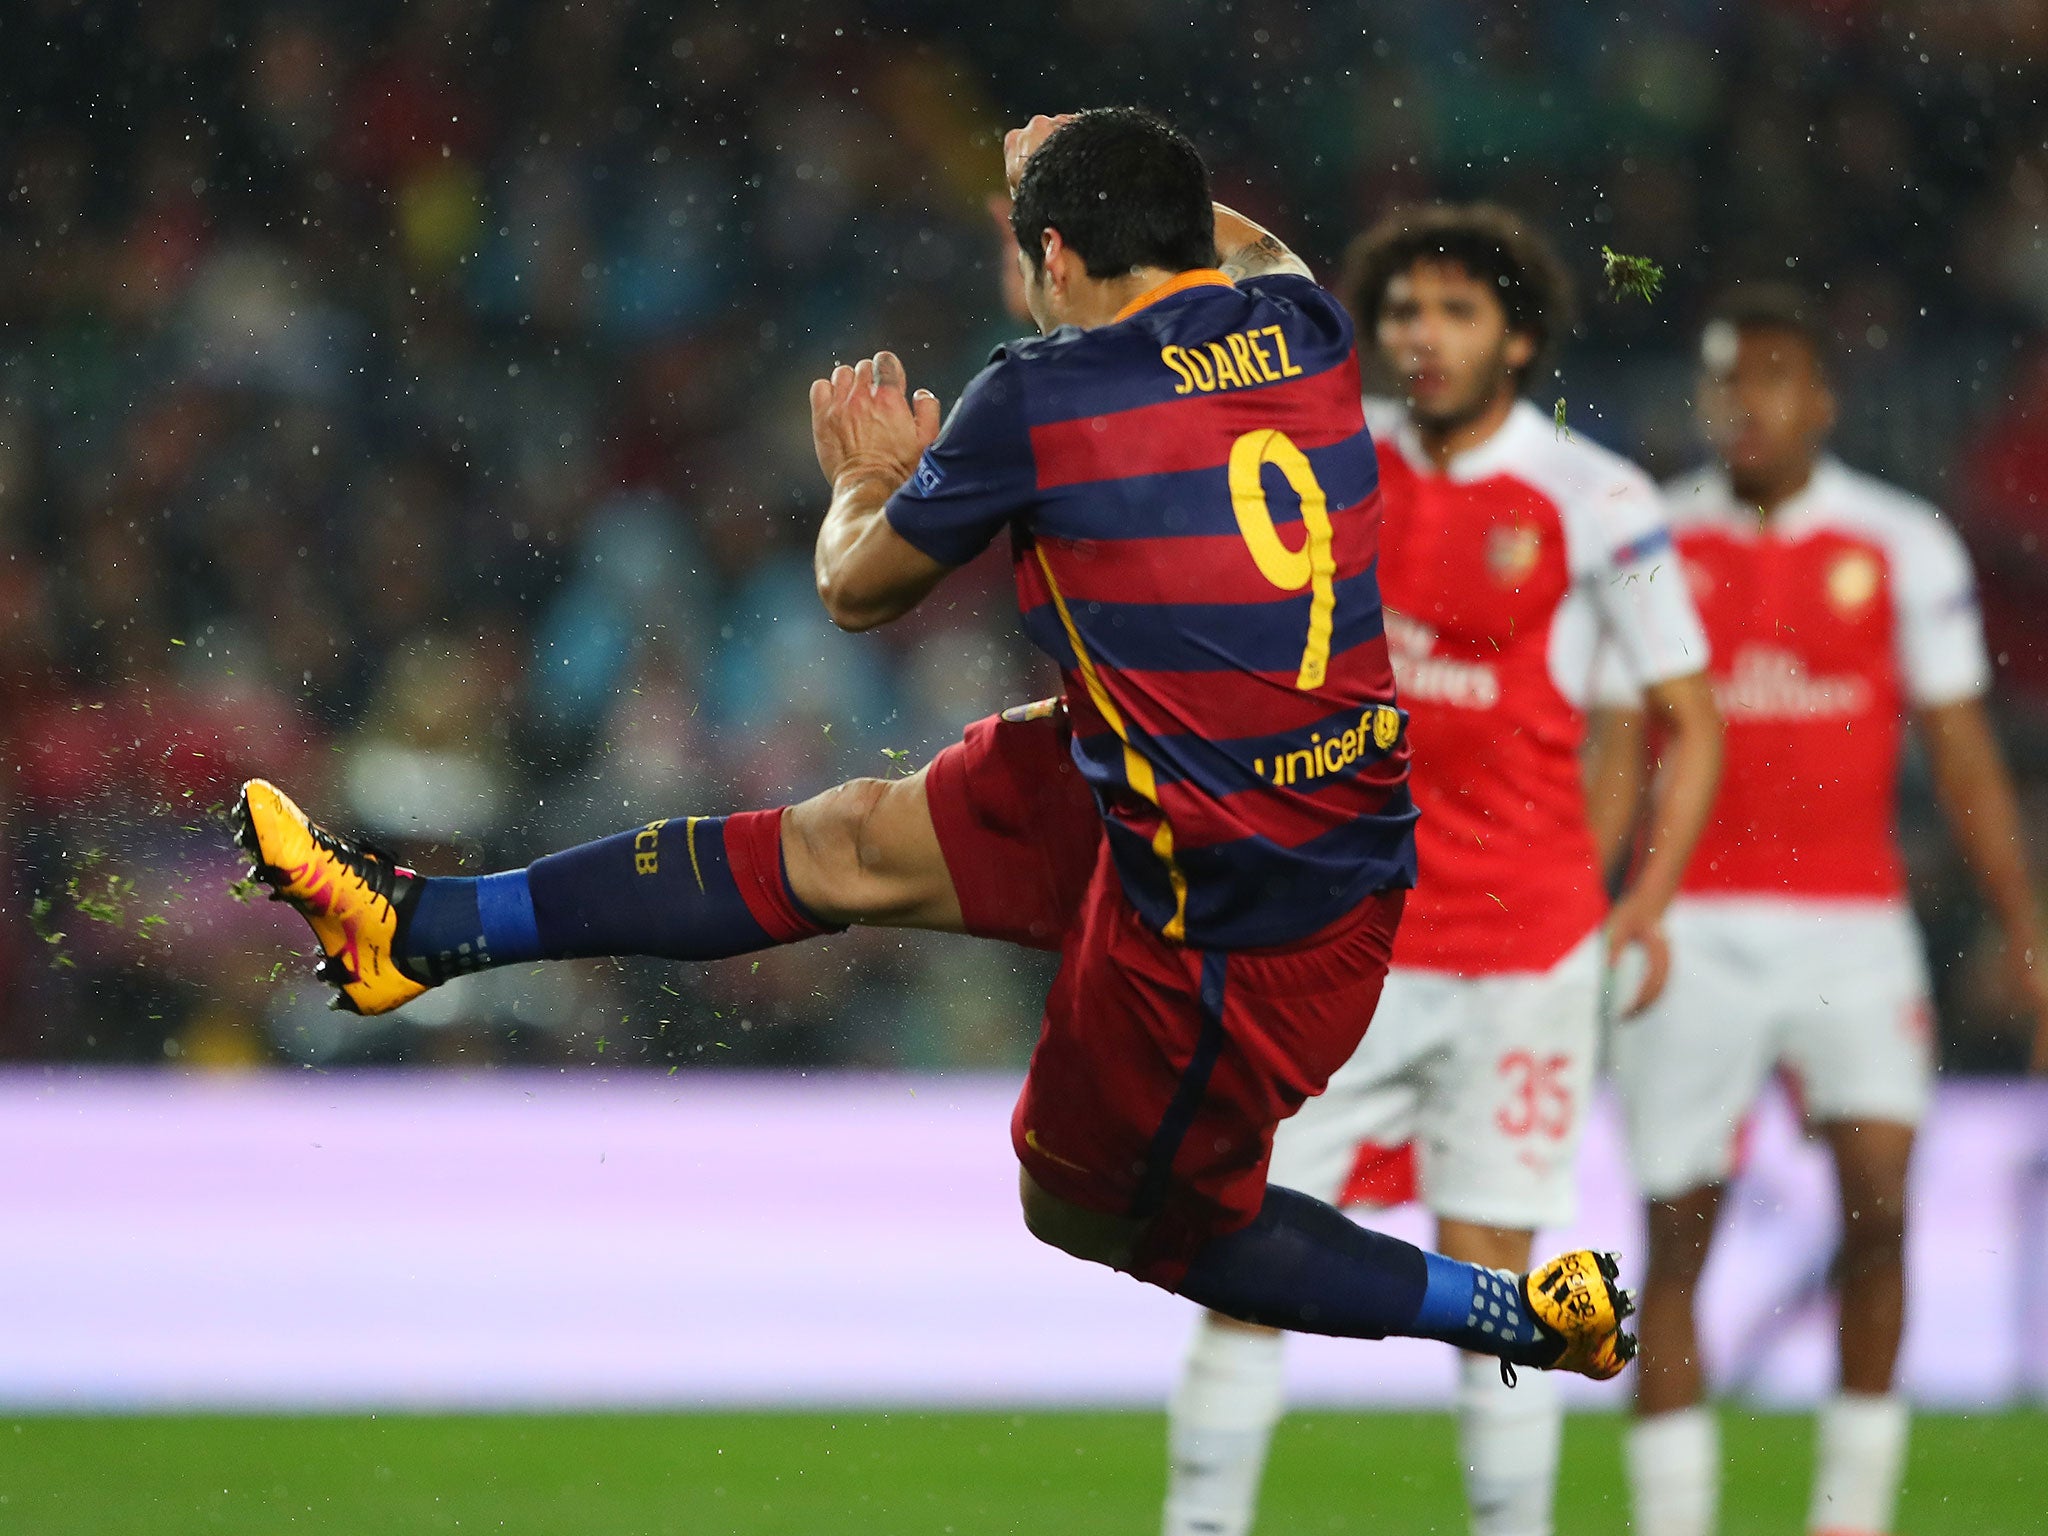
[
  {"x": 1245, "y": 250},
  {"x": 869, "y": 435},
  {"x": 1975, "y": 790},
  {"x": 1616, "y": 770},
  {"x": 1683, "y": 797}
]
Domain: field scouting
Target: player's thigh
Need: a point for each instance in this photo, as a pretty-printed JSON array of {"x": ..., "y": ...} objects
[
  {"x": 1689, "y": 1067},
  {"x": 1161, "y": 1072},
  {"x": 1343, "y": 1145},
  {"x": 1858, "y": 1033},
  {"x": 1016, "y": 826},
  {"x": 1503, "y": 1111}
]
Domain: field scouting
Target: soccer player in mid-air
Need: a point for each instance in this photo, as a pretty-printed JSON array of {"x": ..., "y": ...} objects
[
  {"x": 1838, "y": 609},
  {"x": 1511, "y": 553},
  {"x": 1213, "y": 826}
]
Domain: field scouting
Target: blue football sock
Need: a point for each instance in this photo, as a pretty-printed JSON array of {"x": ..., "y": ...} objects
[
  {"x": 695, "y": 888},
  {"x": 1304, "y": 1266}
]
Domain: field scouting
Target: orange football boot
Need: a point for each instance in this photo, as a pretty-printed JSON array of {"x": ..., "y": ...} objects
[
  {"x": 1575, "y": 1299},
  {"x": 347, "y": 891}
]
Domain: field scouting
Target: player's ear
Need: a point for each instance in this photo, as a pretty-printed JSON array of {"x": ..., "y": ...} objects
[
  {"x": 1054, "y": 250},
  {"x": 1826, "y": 409},
  {"x": 1520, "y": 351}
]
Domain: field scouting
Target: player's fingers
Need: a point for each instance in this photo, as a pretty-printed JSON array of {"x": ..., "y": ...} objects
[
  {"x": 864, "y": 376},
  {"x": 1657, "y": 950},
  {"x": 924, "y": 408},
  {"x": 889, "y": 372},
  {"x": 821, "y": 397},
  {"x": 842, "y": 383}
]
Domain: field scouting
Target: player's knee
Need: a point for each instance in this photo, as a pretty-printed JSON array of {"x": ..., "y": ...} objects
[
  {"x": 867, "y": 802},
  {"x": 1046, "y": 1218},
  {"x": 1680, "y": 1235},
  {"x": 1082, "y": 1234},
  {"x": 1873, "y": 1233},
  {"x": 832, "y": 830}
]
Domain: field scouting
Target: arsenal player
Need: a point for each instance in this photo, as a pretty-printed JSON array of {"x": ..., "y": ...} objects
[
  {"x": 1839, "y": 611},
  {"x": 1512, "y": 552}
]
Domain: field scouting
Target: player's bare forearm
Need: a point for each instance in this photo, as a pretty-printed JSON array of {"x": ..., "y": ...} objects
[
  {"x": 1976, "y": 795},
  {"x": 1245, "y": 250},
  {"x": 868, "y": 573},
  {"x": 1615, "y": 772},
  {"x": 1688, "y": 773},
  {"x": 1975, "y": 790},
  {"x": 868, "y": 432}
]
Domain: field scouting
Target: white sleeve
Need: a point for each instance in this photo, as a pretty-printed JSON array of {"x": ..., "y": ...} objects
[
  {"x": 1940, "y": 631},
  {"x": 1613, "y": 686},
  {"x": 1630, "y": 571}
]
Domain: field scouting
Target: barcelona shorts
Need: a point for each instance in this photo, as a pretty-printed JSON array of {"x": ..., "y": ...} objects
[{"x": 1161, "y": 1070}]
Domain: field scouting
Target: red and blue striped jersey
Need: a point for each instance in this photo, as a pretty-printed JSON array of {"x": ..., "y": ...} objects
[{"x": 1192, "y": 498}]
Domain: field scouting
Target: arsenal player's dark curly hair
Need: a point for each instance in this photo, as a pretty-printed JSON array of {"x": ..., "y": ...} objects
[{"x": 1488, "y": 241}]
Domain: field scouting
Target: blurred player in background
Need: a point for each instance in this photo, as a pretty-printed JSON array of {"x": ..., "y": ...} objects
[
  {"x": 1510, "y": 550},
  {"x": 1213, "y": 827},
  {"x": 1837, "y": 609}
]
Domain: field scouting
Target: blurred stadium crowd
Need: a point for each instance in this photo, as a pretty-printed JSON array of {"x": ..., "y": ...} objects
[{"x": 407, "y": 401}]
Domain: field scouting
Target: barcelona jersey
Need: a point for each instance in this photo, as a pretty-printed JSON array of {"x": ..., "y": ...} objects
[{"x": 1192, "y": 501}]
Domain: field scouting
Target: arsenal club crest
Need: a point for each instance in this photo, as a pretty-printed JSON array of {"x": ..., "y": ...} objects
[
  {"x": 1853, "y": 580},
  {"x": 1512, "y": 552}
]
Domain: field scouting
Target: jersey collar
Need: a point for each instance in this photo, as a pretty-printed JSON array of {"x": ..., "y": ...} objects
[
  {"x": 1804, "y": 506},
  {"x": 1180, "y": 282},
  {"x": 1509, "y": 445}
]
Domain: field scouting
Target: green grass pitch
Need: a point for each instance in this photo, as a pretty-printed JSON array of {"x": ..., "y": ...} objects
[{"x": 903, "y": 1474}]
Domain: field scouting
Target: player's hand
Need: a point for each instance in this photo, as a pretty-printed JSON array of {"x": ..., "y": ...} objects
[
  {"x": 1020, "y": 144},
  {"x": 1638, "y": 922},
  {"x": 1014, "y": 304},
  {"x": 2026, "y": 961},
  {"x": 865, "y": 424}
]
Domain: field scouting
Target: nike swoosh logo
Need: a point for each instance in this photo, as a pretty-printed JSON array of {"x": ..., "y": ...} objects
[{"x": 1031, "y": 1140}]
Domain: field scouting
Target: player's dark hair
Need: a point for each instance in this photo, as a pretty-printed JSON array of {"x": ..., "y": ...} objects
[
  {"x": 1773, "y": 306},
  {"x": 1124, "y": 190},
  {"x": 1488, "y": 241}
]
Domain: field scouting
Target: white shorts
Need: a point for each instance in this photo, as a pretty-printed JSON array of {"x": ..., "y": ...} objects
[
  {"x": 1833, "y": 992},
  {"x": 1487, "y": 1075}
]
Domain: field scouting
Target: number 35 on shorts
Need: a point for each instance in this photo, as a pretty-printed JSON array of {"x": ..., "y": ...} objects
[{"x": 1538, "y": 1099}]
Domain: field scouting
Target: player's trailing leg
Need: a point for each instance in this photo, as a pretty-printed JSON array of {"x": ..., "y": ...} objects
[{"x": 689, "y": 888}]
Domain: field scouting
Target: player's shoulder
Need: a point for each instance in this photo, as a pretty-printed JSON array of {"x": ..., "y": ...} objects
[
  {"x": 1569, "y": 468},
  {"x": 1387, "y": 420},
  {"x": 1297, "y": 291},
  {"x": 1700, "y": 501},
  {"x": 1860, "y": 503}
]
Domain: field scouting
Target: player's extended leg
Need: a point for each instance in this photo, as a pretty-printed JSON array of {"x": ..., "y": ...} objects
[
  {"x": 684, "y": 888},
  {"x": 1674, "y": 1450},
  {"x": 1862, "y": 1440},
  {"x": 1508, "y": 1440}
]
